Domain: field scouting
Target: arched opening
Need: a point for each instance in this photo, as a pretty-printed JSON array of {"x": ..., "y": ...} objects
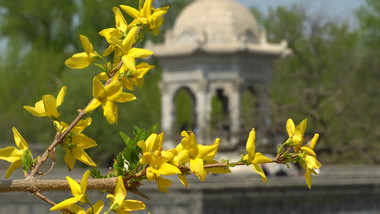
[
  {"x": 185, "y": 116},
  {"x": 249, "y": 109},
  {"x": 220, "y": 118}
]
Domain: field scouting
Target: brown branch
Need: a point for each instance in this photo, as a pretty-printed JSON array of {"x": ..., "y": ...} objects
[
  {"x": 59, "y": 138},
  {"x": 34, "y": 185}
]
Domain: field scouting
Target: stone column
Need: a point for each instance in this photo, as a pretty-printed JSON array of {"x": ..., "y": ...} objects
[
  {"x": 234, "y": 112},
  {"x": 202, "y": 113},
  {"x": 167, "y": 113}
]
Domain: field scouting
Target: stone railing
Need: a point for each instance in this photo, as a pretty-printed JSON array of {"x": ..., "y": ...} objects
[{"x": 338, "y": 189}]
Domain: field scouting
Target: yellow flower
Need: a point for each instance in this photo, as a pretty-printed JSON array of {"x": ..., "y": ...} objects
[
  {"x": 197, "y": 156},
  {"x": 129, "y": 53},
  {"x": 114, "y": 34},
  {"x": 83, "y": 59},
  {"x": 296, "y": 133},
  {"x": 48, "y": 105},
  {"x": 146, "y": 17},
  {"x": 311, "y": 162},
  {"x": 95, "y": 209},
  {"x": 157, "y": 161},
  {"x": 76, "y": 142},
  {"x": 77, "y": 190},
  {"x": 135, "y": 78},
  {"x": 119, "y": 204},
  {"x": 14, "y": 155},
  {"x": 106, "y": 96},
  {"x": 255, "y": 158}
]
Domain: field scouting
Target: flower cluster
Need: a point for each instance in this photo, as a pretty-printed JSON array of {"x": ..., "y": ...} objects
[{"x": 144, "y": 156}]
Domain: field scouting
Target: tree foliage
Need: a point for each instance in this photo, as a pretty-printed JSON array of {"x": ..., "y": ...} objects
[{"x": 330, "y": 78}]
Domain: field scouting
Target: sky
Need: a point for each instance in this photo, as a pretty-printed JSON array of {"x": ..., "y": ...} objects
[{"x": 340, "y": 10}]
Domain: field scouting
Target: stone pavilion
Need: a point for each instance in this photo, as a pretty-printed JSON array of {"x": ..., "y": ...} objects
[{"x": 216, "y": 48}]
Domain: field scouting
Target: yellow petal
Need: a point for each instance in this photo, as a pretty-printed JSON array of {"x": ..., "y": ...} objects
[
  {"x": 95, "y": 103},
  {"x": 147, "y": 8},
  {"x": 61, "y": 96},
  {"x": 218, "y": 170},
  {"x": 196, "y": 166},
  {"x": 108, "y": 50},
  {"x": 113, "y": 90},
  {"x": 97, "y": 88},
  {"x": 19, "y": 140},
  {"x": 183, "y": 179},
  {"x": 260, "y": 158},
  {"x": 83, "y": 141},
  {"x": 132, "y": 205},
  {"x": 129, "y": 62},
  {"x": 84, "y": 181},
  {"x": 120, "y": 192},
  {"x": 208, "y": 152},
  {"x": 129, "y": 40},
  {"x": 50, "y": 105},
  {"x": 81, "y": 125},
  {"x": 260, "y": 171},
  {"x": 65, "y": 204},
  {"x": 110, "y": 111},
  {"x": 14, "y": 165},
  {"x": 250, "y": 146},
  {"x": 142, "y": 69},
  {"x": 139, "y": 53},
  {"x": 290, "y": 127},
  {"x": 300, "y": 131},
  {"x": 121, "y": 24},
  {"x": 38, "y": 110},
  {"x": 163, "y": 184},
  {"x": 96, "y": 208},
  {"x": 10, "y": 154},
  {"x": 168, "y": 169},
  {"x": 312, "y": 162},
  {"x": 131, "y": 11},
  {"x": 308, "y": 150},
  {"x": 82, "y": 156},
  {"x": 74, "y": 186},
  {"x": 69, "y": 159},
  {"x": 78, "y": 61},
  {"x": 87, "y": 46},
  {"x": 124, "y": 97},
  {"x": 76, "y": 209},
  {"x": 150, "y": 142},
  {"x": 308, "y": 177},
  {"x": 314, "y": 141}
]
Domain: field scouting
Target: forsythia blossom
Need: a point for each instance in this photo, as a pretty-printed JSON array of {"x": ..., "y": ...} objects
[
  {"x": 76, "y": 142},
  {"x": 255, "y": 158},
  {"x": 14, "y": 155},
  {"x": 296, "y": 133},
  {"x": 83, "y": 59},
  {"x": 119, "y": 204},
  {"x": 77, "y": 190},
  {"x": 106, "y": 96},
  {"x": 48, "y": 105},
  {"x": 157, "y": 161},
  {"x": 311, "y": 162}
]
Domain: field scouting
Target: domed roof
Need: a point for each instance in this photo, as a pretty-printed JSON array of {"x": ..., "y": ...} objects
[
  {"x": 215, "y": 21},
  {"x": 216, "y": 26}
]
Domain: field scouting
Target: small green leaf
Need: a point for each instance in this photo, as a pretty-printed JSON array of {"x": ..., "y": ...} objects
[
  {"x": 152, "y": 130},
  {"x": 127, "y": 140}
]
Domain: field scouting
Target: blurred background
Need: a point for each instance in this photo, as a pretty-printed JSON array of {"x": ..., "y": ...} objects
[{"x": 332, "y": 76}]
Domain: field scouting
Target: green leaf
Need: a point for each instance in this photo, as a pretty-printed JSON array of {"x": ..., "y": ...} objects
[
  {"x": 136, "y": 130},
  {"x": 95, "y": 173},
  {"x": 152, "y": 130},
  {"x": 127, "y": 140}
]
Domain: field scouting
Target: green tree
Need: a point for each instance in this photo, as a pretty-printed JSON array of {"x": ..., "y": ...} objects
[{"x": 317, "y": 80}]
